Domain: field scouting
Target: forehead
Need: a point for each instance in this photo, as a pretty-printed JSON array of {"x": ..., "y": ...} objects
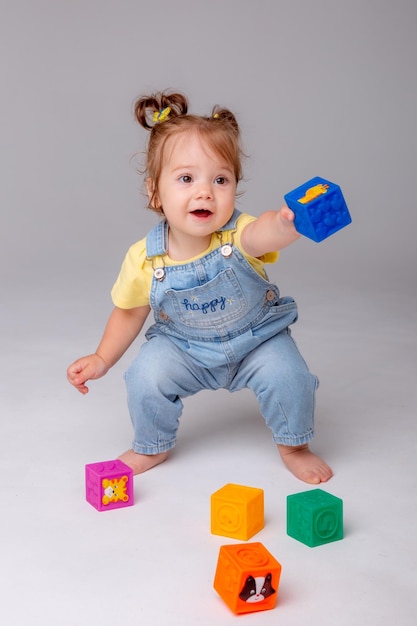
[{"x": 189, "y": 146}]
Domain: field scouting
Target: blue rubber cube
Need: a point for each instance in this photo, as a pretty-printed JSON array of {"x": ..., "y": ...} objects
[
  {"x": 314, "y": 517},
  {"x": 320, "y": 208}
]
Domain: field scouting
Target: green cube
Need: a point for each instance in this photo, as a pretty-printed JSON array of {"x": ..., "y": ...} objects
[{"x": 314, "y": 517}]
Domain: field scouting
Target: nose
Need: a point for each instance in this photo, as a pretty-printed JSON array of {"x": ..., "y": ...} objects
[{"x": 203, "y": 191}]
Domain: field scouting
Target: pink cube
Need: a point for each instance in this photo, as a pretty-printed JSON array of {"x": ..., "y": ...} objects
[{"x": 109, "y": 485}]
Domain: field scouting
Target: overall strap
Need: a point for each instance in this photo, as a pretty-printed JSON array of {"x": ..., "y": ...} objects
[
  {"x": 231, "y": 224},
  {"x": 157, "y": 240},
  {"x": 227, "y": 233}
]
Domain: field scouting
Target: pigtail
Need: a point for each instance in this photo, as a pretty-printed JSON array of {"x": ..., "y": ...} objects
[
  {"x": 225, "y": 116},
  {"x": 150, "y": 110}
]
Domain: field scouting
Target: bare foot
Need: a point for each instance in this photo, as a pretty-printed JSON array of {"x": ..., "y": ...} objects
[
  {"x": 304, "y": 464},
  {"x": 140, "y": 463}
]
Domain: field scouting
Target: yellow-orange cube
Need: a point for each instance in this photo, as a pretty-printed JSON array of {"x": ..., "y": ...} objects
[
  {"x": 237, "y": 511},
  {"x": 247, "y": 577}
]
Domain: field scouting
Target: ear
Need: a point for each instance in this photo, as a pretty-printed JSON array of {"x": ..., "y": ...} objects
[
  {"x": 149, "y": 187},
  {"x": 152, "y": 195}
]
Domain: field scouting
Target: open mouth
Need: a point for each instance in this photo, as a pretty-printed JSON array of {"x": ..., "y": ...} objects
[{"x": 201, "y": 213}]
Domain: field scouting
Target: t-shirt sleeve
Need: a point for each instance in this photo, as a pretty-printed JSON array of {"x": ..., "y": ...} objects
[{"x": 132, "y": 286}]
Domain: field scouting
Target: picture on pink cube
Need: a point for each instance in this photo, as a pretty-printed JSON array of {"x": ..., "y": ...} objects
[{"x": 109, "y": 485}]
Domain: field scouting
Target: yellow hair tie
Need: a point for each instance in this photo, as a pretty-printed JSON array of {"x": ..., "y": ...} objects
[{"x": 161, "y": 115}]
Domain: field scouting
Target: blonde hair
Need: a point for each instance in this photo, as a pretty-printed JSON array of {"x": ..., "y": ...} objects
[{"x": 166, "y": 115}]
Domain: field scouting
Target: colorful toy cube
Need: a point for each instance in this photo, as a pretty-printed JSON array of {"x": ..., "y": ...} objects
[
  {"x": 109, "y": 485},
  {"x": 314, "y": 517},
  {"x": 247, "y": 577},
  {"x": 237, "y": 511},
  {"x": 320, "y": 208}
]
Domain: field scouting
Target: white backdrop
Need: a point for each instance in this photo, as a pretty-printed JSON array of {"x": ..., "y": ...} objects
[{"x": 320, "y": 88}]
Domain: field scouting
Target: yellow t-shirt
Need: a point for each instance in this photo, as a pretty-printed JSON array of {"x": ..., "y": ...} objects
[{"x": 133, "y": 285}]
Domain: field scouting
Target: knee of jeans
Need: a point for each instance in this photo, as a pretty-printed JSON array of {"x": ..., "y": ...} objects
[
  {"x": 296, "y": 380},
  {"x": 306, "y": 380},
  {"x": 143, "y": 371},
  {"x": 151, "y": 372}
]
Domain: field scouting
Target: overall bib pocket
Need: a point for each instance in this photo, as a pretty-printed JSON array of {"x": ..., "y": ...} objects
[{"x": 217, "y": 302}]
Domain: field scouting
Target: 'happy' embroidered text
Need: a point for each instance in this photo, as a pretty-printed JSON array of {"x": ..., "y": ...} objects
[{"x": 205, "y": 307}]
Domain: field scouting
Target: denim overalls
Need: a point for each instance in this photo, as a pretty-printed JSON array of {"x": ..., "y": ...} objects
[{"x": 218, "y": 324}]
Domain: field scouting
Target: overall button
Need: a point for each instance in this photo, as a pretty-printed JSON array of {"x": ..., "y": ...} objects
[
  {"x": 163, "y": 316},
  {"x": 159, "y": 273},
  {"x": 270, "y": 295},
  {"x": 227, "y": 250}
]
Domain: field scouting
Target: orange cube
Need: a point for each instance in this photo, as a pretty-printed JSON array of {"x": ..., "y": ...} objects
[
  {"x": 247, "y": 577},
  {"x": 237, "y": 511}
]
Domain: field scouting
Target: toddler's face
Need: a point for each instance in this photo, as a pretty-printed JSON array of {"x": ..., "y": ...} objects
[{"x": 196, "y": 188}]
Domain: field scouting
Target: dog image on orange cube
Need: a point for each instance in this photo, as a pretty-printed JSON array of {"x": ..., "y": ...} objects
[{"x": 247, "y": 577}]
